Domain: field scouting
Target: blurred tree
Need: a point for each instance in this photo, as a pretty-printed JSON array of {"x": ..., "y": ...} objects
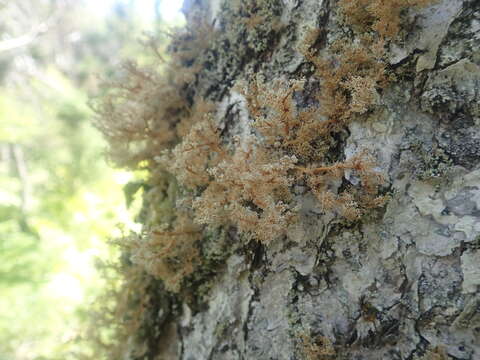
[{"x": 58, "y": 201}]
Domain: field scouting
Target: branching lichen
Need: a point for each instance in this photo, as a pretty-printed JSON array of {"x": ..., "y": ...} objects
[
  {"x": 155, "y": 119},
  {"x": 319, "y": 348}
]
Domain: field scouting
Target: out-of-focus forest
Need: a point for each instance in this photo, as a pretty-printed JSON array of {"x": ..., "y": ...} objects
[{"x": 60, "y": 199}]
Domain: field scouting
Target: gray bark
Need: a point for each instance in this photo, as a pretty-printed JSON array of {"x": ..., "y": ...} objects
[{"x": 403, "y": 284}]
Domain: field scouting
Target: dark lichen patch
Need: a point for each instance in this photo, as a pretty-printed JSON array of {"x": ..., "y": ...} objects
[
  {"x": 461, "y": 145},
  {"x": 422, "y": 156},
  {"x": 216, "y": 246},
  {"x": 159, "y": 311},
  {"x": 457, "y": 140},
  {"x": 245, "y": 31},
  {"x": 462, "y": 40},
  {"x": 432, "y": 161},
  {"x": 452, "y": 91}
]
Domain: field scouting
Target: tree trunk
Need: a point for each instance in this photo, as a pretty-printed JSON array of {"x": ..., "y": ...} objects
[{"x": 402, "y": 280}]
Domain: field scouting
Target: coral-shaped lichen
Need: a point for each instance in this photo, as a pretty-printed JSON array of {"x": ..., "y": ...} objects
[
  {"x": 170, "y": 255},
  {"x": 155, "y": 120}
]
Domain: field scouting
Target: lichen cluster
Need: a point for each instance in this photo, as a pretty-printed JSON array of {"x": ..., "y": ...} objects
[{"x": 155, "y": 119}]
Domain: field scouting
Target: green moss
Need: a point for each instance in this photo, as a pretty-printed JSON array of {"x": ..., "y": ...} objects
[{"x": 216, "y": 247}]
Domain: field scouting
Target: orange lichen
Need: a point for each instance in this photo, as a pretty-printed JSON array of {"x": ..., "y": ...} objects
[
  {"x": 244, "y": 191},
  {"x": 353, "y": 200},
  {"x": 319, "y": 348},
  {"x": 170, "y": 255},
  {"x": 383, "y": 17}
]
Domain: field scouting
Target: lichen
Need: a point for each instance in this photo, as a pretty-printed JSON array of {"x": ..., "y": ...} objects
[{"x": 213, "y": 193}]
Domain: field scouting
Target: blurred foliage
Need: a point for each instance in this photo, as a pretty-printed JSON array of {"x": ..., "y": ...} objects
[{"x": 59, "y": 199}]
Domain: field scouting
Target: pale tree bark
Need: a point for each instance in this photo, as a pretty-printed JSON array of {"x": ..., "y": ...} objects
[{"x": 400, "y": 284}]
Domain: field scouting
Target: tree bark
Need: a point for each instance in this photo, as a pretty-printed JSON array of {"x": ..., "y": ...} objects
[{"x": 400, "y": 284}]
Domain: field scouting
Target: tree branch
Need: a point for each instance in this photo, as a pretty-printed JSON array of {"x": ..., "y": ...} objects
[
  {"x": 11, "y": 44},
  {"x": 22, "y": 173}
]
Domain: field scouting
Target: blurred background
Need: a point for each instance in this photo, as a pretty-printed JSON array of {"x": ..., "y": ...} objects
[{"x": 60, "y": 199}]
